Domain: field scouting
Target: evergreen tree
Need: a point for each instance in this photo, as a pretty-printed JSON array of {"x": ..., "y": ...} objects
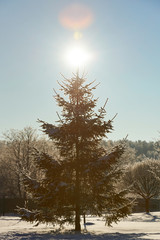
[{"x": 85, "y": 175}]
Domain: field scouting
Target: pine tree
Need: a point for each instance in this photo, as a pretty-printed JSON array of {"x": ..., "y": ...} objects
[{"x": 83, "y": 178}]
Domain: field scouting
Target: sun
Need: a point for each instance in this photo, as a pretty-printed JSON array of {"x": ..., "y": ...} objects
[{"x": 77, "y": 56}]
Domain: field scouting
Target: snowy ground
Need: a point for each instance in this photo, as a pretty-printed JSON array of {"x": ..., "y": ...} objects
[{"x": 137, "y": 226}]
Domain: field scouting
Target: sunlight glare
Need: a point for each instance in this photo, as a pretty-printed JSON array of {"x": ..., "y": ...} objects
[{"x": 77, "y": 56}]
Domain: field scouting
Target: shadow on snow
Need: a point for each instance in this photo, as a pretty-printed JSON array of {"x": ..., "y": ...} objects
[{"x": 72, "y": 236}]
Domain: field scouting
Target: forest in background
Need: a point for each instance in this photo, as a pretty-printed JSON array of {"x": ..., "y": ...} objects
[{"x": 16, "y": 157}]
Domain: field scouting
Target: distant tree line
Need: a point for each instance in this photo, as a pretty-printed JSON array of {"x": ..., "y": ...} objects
[
  {"x": 140, "y": 148},
  {"x": 16, "y": 156}
]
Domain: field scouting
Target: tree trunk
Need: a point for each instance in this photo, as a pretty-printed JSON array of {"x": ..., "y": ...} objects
[
  {"x": 77, "y": 217},
  {"x": 77, "y": 220},
  {"x": 84, "y": 218},
  {"x": 3, "y": 205},
  {"x": 147, "y": 205},
  {"x": 77, "y": 190},
  {"x": 19, "y": 186}
]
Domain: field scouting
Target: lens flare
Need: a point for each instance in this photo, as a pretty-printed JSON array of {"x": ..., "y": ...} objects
[
  {"x": 77, "y": 35},
  {"x": 76, "y": 16}
]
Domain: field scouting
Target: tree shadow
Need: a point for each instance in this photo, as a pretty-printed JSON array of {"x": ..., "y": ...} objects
[
  {"x": 71, "y": 235},
  {"x": 154, "y": 218},
  {"x": 145, "y": 217},
  {"x": 89, "y": 223}
]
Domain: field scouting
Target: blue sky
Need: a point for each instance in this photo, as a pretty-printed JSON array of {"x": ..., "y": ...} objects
[{"x": 124, "y": 36}]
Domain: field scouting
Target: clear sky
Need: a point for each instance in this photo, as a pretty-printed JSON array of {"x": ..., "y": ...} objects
[{"x": 122, "y": 35}]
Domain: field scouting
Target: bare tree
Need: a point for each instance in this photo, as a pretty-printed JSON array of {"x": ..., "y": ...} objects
[
  {"x": 19, "y": 145},
  {"x": 7, "y": 183},
  {"x": 143, "y": 181},
  {"x": 16, "y": 157}
]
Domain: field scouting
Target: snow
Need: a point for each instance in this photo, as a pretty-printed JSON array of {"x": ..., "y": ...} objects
[{"x": 137, "y": 226}]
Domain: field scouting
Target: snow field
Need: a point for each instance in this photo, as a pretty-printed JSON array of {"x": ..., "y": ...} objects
[{"x": 137, "y": 226}]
